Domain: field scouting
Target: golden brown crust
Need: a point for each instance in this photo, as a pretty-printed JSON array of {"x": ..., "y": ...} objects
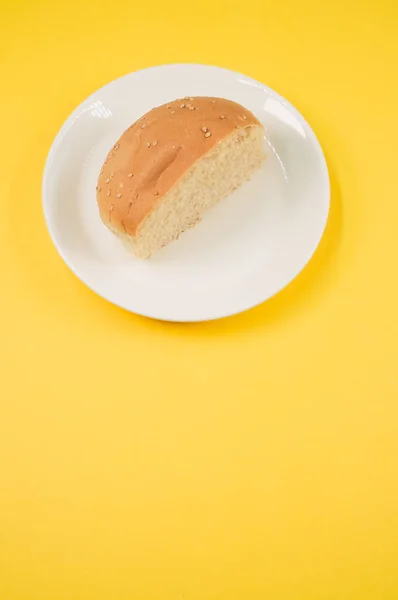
[{"x": 154, "y": 153}]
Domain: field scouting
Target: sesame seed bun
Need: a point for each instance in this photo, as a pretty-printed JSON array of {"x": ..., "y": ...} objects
[{"x": 155, "y": 153}]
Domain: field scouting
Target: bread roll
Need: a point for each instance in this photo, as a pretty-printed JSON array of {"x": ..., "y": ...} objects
[{"x": 173, "y": 164}]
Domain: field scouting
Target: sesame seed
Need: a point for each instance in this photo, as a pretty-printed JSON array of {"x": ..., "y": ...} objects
[
  {"x": 142, "y": 126},
  {"x": 155, "y": 143},
  {"x": 121, "y": 184},
  {"x": 186, "y": 98},
  {"x": 191, "y": 98},
  {"x": 148, "y": 145},
  {"x": 112, "y": 174},
  {"x": 169, "y": 106},
  {"x": 204, "y": 129},
  {"x": 207, "y": 134},
  {"x": 244, "y": 117},
  {"x": 182, "y": 105},
  {"x": 99, "y": 189},
  {"x": 108, "y": 193},
  {"x": 130, "y": 175},
  {"x": 191, "y": 107},
  {"x": 172, "y": 112},
  {"x": 213, "y": 101},
  {"x": 107, "y": 180},
  {"x": 156, "y": 193},
  {"x": 118, "y": 195},
  {"x": 222, "y": 117}
]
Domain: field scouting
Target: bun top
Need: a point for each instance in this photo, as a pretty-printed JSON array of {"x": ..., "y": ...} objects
[{"x": 154, "y": 152}]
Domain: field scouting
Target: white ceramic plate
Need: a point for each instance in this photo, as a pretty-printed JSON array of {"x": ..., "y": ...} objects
[{"x": 246, "y": 249}]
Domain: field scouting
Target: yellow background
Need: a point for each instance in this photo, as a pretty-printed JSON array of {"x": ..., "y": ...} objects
[{"x": 246, "y": 459}]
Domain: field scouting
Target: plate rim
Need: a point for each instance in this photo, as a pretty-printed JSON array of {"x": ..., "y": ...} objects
[{"x": 71, "y": 118}]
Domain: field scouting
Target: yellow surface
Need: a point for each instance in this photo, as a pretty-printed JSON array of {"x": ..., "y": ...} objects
[{"x": 251, "y": 458}]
